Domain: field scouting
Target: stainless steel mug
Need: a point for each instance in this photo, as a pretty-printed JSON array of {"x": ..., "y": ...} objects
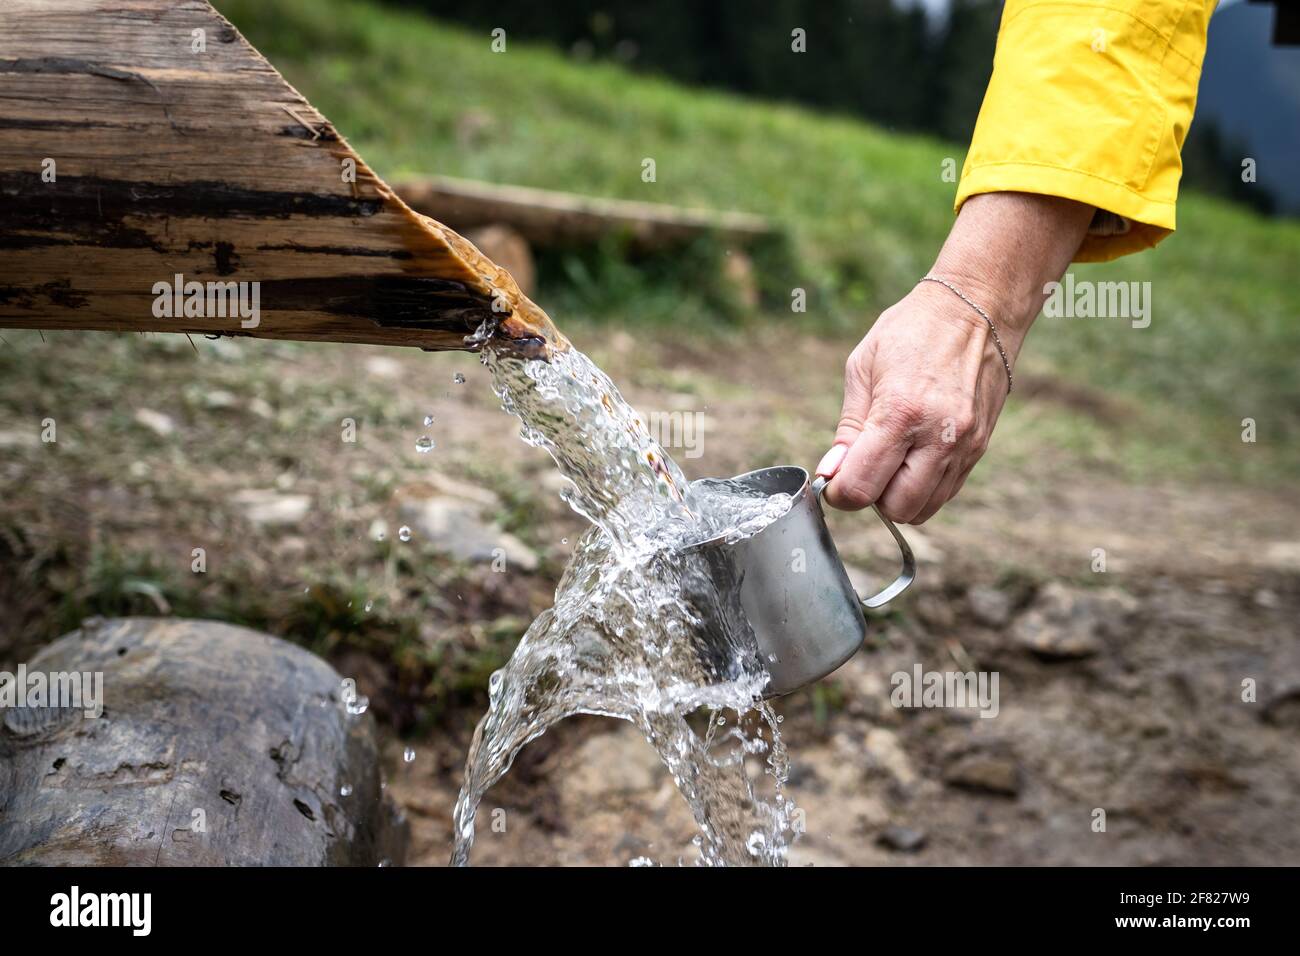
[{"x": 806, "y": 616}]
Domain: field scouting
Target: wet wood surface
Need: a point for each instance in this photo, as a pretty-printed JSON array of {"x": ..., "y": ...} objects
[{"x": 142, "y": 140}]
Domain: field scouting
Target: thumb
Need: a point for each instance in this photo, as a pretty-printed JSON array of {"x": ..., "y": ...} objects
[{"x": 853, "y": 413}]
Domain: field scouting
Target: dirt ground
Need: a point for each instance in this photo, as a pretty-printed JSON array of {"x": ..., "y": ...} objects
[
  {"x": 1120, "y": 691},
  {"x": 1150, "y": 727}
]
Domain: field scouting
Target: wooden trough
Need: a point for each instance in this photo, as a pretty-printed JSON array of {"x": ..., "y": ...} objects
[{"x": 158, "y": 174}]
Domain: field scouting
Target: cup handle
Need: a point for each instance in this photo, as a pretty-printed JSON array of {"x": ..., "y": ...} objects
[{"x": 905, "y": 577}]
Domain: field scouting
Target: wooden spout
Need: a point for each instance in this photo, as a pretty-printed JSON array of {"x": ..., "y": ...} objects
[{"x": 158, "y": 175}]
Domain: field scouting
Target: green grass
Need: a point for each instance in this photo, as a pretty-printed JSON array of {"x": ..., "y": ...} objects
[
  {"x": 103, "y": 522},
  {"x": 863, "y": 210}
]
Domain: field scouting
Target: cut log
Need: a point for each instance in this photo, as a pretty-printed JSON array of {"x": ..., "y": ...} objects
[
  {"x": 548, "y": 219},
  {"x": 217, "y": 745},
  {"x": 142, "y": 140}
]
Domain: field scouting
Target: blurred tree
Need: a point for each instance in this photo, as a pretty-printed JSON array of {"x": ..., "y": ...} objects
[{"x": 891, "y": 62}]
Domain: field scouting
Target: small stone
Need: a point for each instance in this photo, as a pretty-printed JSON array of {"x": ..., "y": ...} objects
[
  {"x": 19, "y": 439},
  {"x": 985, "y": 773},
  {"x": 883, "y": 747},
  {"x": 901, "y": 839},
  {"x": 382, "y": 366},
  {"x": 270, "y": 508},
  {"x": 924, "y": 551},
  {"x": 158, "y": 423},
  {"x": 990, "y": 606},
  {"x": 611, "y": 764},
  {"x": 1284, "y": 555},
  {"x": 454, "y": 528},
  {"x": 1266, "y": 597},
  {"x": 218, "y": 400},
  {"x": 1066, "y": 623},
  {"x": 483, "y": 497}
]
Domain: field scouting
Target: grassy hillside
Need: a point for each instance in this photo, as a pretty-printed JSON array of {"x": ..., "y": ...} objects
[{"x": 865, "y": 209}]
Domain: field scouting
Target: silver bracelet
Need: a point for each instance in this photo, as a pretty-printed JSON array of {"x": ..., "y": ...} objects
[{"x": 997, "y": 340}]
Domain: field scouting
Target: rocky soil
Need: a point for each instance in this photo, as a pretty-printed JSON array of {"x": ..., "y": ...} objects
[
  {"x": 1120, "y": 690},
  {"x": 1148, "y": 714}
]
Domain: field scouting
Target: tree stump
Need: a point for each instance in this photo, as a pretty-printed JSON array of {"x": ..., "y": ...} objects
[{"x": 217, "y": 745}]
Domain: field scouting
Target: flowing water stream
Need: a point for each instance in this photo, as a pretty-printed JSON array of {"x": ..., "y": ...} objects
[{"x": 645, "y": 626}]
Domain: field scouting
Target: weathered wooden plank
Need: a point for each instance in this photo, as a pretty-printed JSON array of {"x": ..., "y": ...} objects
[
  {"x": 546, "y": 218},
  {"x": 131, "y": 152}
]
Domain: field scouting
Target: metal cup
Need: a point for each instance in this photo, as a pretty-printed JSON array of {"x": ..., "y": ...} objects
[{"x": 804, "y": 613}]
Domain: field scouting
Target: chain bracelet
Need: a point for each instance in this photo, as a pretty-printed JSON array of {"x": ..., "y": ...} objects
[{"x": 997, "y": 339}]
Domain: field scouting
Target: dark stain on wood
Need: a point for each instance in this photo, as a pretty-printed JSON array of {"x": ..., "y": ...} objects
[
  {"x": 75, "y": 200},
  {"x": 71, "y": 66},
  {"x": 337, "y": 250},
  {"x": 388, "y": 301},
  {"x": 226, "y": 260},
  {"x": 58, "y": 293},
  {"x": 322, "y": 134},
  {"x": 66, "y": 65},
  {"x": 11, "y": 122}
]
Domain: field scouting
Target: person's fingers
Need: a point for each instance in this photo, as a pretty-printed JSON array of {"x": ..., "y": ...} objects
[
  {"x": 913, "y": 484},
  {"x": 943, "y": 493},
  {"x": 867, "y": 467},
  {"x": 854, "y": 411},
  {"x": 961, "y": 479},
  {"x": 948, "y": 488}
]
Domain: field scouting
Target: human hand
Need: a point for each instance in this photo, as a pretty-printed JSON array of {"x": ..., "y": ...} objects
[
  {"x": 922, "y": 392},
  {"x": 924, "y": 388}
]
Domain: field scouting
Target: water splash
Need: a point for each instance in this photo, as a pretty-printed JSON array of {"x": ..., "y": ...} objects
[{"x": 646, "y": 625}]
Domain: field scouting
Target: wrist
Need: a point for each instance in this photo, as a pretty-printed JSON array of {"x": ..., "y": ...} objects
[{"x": 1005, "y": 248}]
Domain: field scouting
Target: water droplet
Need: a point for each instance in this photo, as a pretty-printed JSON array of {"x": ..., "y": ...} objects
[
  {"x": 345, "y": 790},
  {"x": 358, "y": 705},
  {"x": 369, "y": 606},
  {"x": 428, "y": 420},
  {"x": 458, "y": 378},
  {"x": 408, "y": 755},
  {"x": 564, "y": 541},
  {"x": 424, "y": 445},
  {"x": 404, "y": 533}
]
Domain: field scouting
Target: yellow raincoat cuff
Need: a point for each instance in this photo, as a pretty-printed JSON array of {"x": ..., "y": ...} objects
[{"x": 1092, "y": 101}]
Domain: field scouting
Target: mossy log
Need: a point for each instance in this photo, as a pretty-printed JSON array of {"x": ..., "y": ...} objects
[
  {"x": 141, "y": 140},
  {"x": 216, "y": 745}
]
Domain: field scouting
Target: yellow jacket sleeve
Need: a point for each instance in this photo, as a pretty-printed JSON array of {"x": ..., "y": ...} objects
[{"x": 1091, "y": 100}]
